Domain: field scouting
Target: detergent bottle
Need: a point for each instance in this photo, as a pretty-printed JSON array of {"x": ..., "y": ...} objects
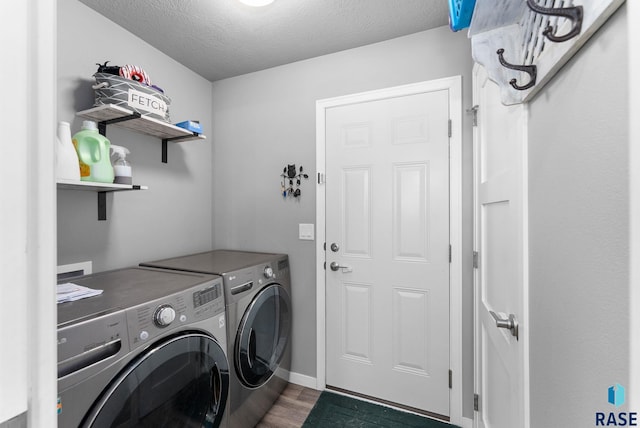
[
  {"x": 121, "y": 168},
  {"x": 67, "y": 165},
  {"x": 93, "y": 154}
]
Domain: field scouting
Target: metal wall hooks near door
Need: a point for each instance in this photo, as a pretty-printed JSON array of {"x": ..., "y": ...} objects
[
  {"x": 531, "y": 70},
  {"x": 290, "y": 181},
  {"x": 573, "y": 13}
]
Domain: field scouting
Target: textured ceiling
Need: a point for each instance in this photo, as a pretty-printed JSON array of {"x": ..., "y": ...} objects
[{"x": 224, "y": 38}]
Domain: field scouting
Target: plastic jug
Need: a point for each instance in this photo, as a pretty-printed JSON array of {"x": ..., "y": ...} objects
[
  {"x": 93, "y": 153},
  {"x": 67, "y": 166}
]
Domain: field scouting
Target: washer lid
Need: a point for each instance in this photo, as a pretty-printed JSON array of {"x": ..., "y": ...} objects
[
  {"x": 215, "y": 262},
  {"x": 125, "y": 288}
]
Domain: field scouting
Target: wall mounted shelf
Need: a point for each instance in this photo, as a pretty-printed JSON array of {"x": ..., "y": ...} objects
[
  {"x": 125, "y": 118},
  {"x": 512, "y": 33},
  {"x": 101, "y": 188}
]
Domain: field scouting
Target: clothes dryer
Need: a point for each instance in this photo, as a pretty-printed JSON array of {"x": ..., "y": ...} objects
[
  {"x": 257, "y": 293},
  {"x": 150, "y": 351}
]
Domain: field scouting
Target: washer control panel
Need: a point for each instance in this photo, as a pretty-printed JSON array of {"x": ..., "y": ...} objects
[
  {"x": 148, "y": 321},
  {"x": 164, "y": 315},
  {"x": 209, "y": 294},
  {"x": 268, "y": 272}
]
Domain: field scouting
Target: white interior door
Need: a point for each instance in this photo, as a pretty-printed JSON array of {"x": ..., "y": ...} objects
[
  {"x": 387, "y": 226},
  {"x": 500, "y": 232}
]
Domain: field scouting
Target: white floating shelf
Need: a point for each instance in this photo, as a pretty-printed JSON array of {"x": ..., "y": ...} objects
[
  {"x": 143, "y": 124},
  {"x": 96, "y": 187}
]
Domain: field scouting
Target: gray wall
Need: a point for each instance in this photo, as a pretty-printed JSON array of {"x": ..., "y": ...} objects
[
  {"x": 265, "y": 120},
  {"x": 172, "y": 217},
  {"x": 579, "y": 237}
]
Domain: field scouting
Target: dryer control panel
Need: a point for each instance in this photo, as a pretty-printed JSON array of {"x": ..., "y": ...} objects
[{"x": 153, "y": 319}]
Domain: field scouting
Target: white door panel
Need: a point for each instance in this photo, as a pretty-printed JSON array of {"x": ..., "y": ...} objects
[
  {"x": 388, "y": 211},
  {"x": 500, "y": 231}
]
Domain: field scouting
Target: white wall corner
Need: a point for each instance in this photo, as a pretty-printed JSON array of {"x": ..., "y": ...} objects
[
  {"x": 634, "y": 192},
  {"x": 467, "y": 423},
  {"x": 302, "y": 380}
]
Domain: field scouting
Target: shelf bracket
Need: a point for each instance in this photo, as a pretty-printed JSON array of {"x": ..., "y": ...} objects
[
  {"x": 102, "y": 200},
  {"x": 102, "y": 206},
  {"x": 164, "y": 150},
  {"x": 175, "y": 140},
  {"x": 102, "y": 125}
]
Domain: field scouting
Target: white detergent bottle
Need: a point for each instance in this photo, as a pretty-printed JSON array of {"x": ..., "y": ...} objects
[
  {"x": 121, "y": 168},
  {"x": 67, "y": 165}
]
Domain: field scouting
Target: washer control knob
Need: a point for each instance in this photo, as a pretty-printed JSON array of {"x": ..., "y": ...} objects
[
  {"x": 268, "y": 272},
  {"x": 144, "y": 335},
  {"x": 164, "y": 315}
]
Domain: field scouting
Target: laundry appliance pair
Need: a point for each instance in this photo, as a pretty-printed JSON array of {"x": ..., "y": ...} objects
[
  {"x": 171, "y": 344},
  {"x": 257, "y": 289}
]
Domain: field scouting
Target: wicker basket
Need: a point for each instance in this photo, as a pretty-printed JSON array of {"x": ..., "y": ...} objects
[{"x": 127, "y": 93}]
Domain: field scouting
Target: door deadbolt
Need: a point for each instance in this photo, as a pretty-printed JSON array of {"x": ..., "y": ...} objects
[{"x": 334, "y": 247}]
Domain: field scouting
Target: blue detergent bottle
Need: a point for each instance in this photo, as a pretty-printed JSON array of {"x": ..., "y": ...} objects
[{"x": 93, "y": 154}]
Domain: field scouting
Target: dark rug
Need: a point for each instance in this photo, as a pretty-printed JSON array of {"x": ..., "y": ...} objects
[{"x": 334, "y": 410}]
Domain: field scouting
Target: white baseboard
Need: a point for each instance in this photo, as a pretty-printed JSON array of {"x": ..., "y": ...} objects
[
  {"x": 302, "y": 380},
  {"x": 467, "y": 423}
]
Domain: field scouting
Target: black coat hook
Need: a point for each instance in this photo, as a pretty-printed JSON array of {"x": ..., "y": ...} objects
[
  {"x": 574, "y": 14},
  {"x": 531, "y": 70}
]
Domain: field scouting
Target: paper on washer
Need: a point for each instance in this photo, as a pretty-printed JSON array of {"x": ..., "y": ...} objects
[{"x": 69, "y": 292}]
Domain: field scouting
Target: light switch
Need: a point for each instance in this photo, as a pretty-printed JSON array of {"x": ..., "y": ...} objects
[{"x": 306, "y": 232}]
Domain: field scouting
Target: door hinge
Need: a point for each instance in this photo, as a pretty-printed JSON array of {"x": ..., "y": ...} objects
[
  {"x": 476, "y": 400},
  {"x": 450, "y": 253},
  {"x": 321, "y": 178},
  {"x": 325, "y": 265},
  {"x": 450, "y": 379},
  {"x": 450, "y": 128},
  {"x": 475, "y": 260},
  {"x": 474, "y": 112}
]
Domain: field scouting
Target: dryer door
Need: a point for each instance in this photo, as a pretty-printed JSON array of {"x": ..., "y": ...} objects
[
  {"x": 263, "y": 335},
  {"x": 182, "y": 381}
]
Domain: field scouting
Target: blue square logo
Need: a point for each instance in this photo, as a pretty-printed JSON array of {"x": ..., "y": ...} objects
[{"x": 616, "y": 395}]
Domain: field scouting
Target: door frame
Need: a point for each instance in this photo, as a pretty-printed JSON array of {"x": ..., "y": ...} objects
[
  {"x": 454, "y": 86},
  {"x": 28, "y": 389},
  {"x": 523, "y": 318}
]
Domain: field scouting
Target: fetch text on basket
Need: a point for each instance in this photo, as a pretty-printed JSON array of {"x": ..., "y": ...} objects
[{"x": 142, "y": 101}]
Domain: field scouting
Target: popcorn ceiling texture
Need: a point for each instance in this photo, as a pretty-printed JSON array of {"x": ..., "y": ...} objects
[{"x": 224, "y": 38}]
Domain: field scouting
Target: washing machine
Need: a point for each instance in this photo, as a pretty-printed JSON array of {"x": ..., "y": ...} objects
[
  {"x": 150, "y": 351},
  {"x": 257, "y": 290}
]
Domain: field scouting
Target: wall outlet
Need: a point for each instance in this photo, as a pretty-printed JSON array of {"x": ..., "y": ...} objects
[{"x": 306, "y": 232}]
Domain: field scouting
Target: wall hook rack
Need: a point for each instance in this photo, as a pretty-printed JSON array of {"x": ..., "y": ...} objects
[
  {"x": 573, "y": 13},
  {"x": 291, "y": 178},
  {"x": 527, "y": 30},
  {"x": 531, "y": 70}
]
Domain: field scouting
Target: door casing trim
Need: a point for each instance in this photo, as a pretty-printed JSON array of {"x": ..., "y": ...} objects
[{"x": 454, "y": 87}]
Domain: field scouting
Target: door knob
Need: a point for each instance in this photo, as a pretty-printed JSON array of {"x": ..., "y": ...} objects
[
  {"x": 508, "y": 323},
  {"x": 335, "y": 266}
]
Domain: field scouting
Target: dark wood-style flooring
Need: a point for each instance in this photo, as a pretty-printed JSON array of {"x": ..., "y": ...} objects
[{"x": 291, "y": 409}]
